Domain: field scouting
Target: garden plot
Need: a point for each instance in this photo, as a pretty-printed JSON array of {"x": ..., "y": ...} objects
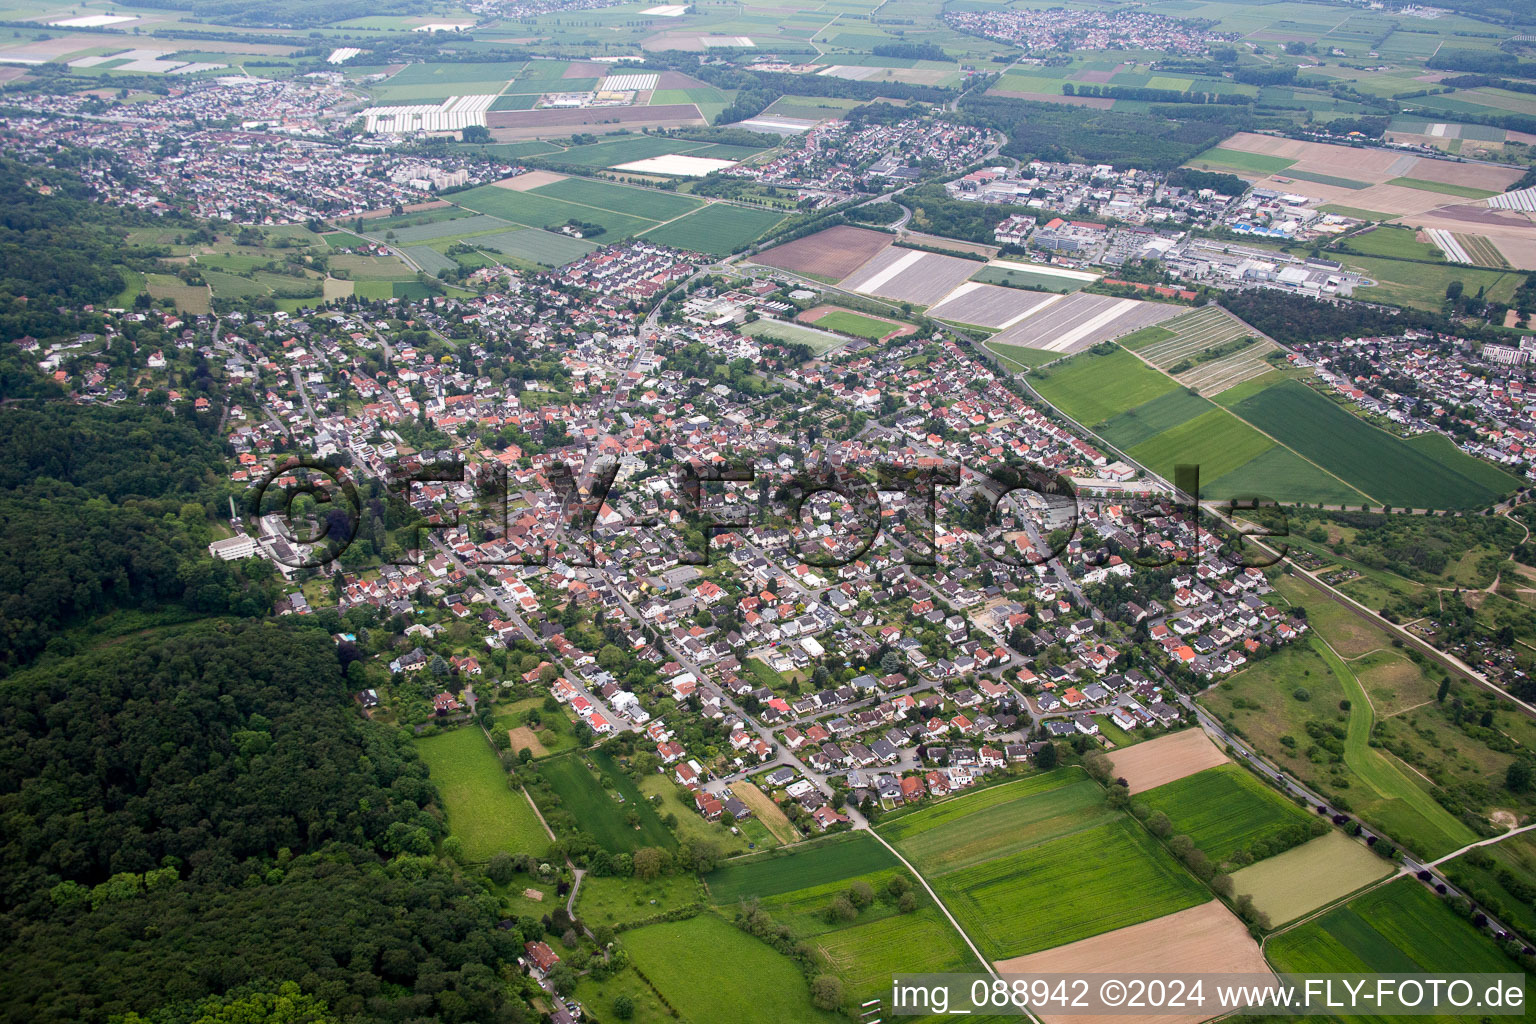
[
  {"x": 1219, "y": 375},
  {"x": 1080, "y": 321},
  {"x": 910, "y": 275},
  {"x": 989, "y": 305}
]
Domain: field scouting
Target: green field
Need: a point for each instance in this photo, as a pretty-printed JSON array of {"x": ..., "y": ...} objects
[
  {"x": 746, "y": 980},
  {"x": 998, "y": 821},
  {"x": 1149, "y": 419},
  {"x": 859, "y": 326},
  {"x": 806, "y": 865},
  {"x": 792, "y": 333},
  {"x": 532, "y": 245},
  {"x": 1024, "y": 277},
  {"x": 1380, "y": 465},
  {"x": 1091, "y": 388},
  {"x": 1215, "y": 441},
  {"x": 1254, "y": 164},
  {"x": 1226, "y": 811},
  {"x": 716, "y": 230},
  {"x": 535, "y": 211},
  {"x": 483, "y": 812},
  {"x": 1388, "y": 240},
  {"x": 600, "y": 802},
  {"x": 1137, "y": 340},
  {"x": 868, "y": 953},
  {"x": 1464, "y": 191},
  {"x": 1086, "y": 883},
  {"x": 604, "y": 195},
  {"x": 1423, "y": 285},
  {"x": 1398, "y": 928},
  {"x": 1021, "y": 357}
]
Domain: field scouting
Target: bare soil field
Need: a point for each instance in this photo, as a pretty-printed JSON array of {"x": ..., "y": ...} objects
[
  {"x": 1494, "y": 179},
  {"x": 678, "y": 80},
  {"x": 586, "y": 69},
  {"x": 1168, "y": 758},
  {"x": 766, "y": 810},
  {"x": 910, "y": 275},
  {"x": 384, "y": 211},
  {"x": 511, "y": 125},
  {"x": 1312, "y": 875},
  {"x": 990, "y": 305},
  {"x": 835, "y": 252},
  {"x": 952, "y": 244},
  {"x": 528, "y": 180},
  {"x": 522, "y": 737},
  {"x": 1207, "y": 938}
]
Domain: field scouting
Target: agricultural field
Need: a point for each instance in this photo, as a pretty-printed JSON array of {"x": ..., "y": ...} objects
[
  {"x": 1312, "y": 875},
  {"x": 486, "y": 815},
  {"x": 1400, "y": 927},
  {"x": 1104, "y": 877},
  {"x": 1012, "y": 274},
  {"x": 1378, "y": 464},
  {"x": 1166, "y": 759},
  {"x": 648, "y": 203},
  {"x": 829, "y": 255},
  {"x": 1246, "y": 164},
  {"x": 990, "y": 305},
  {"x": 821, "y": 862},
  {"x": 1208, "y": 350},
  {"x": 534, "y": 210},
  {"x": 601, "y": 799},
  {"x": 1230, "y": 815},
  {"x": 1076, "y": 322},
  {"x": 716, "y": 230},
  {"x": 747, "y": 980},
  {"x": 910, "y": 275}
]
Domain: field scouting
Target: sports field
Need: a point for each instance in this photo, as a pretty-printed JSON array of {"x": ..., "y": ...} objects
[
  {"x": 600, "y": 802},
  {"x": 747, "y": 980},
  {"x": 1228, "y": 813},
  {"x": 1309, "y": 876},
  {"x": 716, "y": 230},
  {"x": 1398, "y": 928},
  {"x": 857, "y": 324},
  {"x": 483, "y": 811}
]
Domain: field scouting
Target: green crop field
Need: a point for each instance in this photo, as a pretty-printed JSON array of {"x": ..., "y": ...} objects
[
  {"x": 1281, "y": 474},
  {"x": 1092, "y": 388},
  {"x": 1024, "y": 277},
  {"x": 604, "y": 195},
  {"x": 483, "y": 811},
  {"x": 746, "y": 980},
  {"x": 867, "y": 955},
  {"x": 1464, "y": 191},
  {"x": 1328, "y": 179},
  {"x": 536, "y": 211},
  {"x": 1253, "y": 164},
  {"x": 600, "y": 802},
  {"x": 823, "y": 862},
  {"x": 1149, "y": 419},
  {"x": 716, "y": 230},
  {"x": 456, "y": 228},
  {"x": 532, "y": 245},
  {"x": 1401, "y": 927},
  {"x": 997, "y": 822},
  {"x": 1388, "y": 240},
  {"x": 1382, "y": 466},
  {"x": 1086, "y": 883},
  {"x": 623, "y": 151},
  {"x": 1225, "y": 810},
  {"x": 1020, "y": 357},
  {"x": 858, "y": 325},
  {"x": 1146, "y": 336},
  {"x": 1215, "y": 441}
]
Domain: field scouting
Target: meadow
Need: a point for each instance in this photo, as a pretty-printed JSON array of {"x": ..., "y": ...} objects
[
  {"x": 1423, "y": 285},
  {"x": 716, "y": 230},
  {"x": 1225, "y": 810},
  {"x": 601, "y": 802},
  {"x": 485, "y": 814},
  {"x": 1492, "y": 874},
  {"x": 710, "y": 970}
]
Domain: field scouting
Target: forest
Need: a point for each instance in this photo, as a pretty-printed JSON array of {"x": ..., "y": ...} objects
[{"x": 199, "y": 808}]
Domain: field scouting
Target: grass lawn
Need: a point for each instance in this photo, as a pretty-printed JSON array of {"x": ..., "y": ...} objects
[
  {"x": 601, "y": 802},
  {"x": 717, "y": 229},
  {"x": 1312, "y": 875},
  {"x": 867, "y": 954},
  {"x": 599, "y": 997},
  {"x": 747, "y": 980},
  {"x": 486, "y": 815},
  {"x": 1108, "y": 876},
  {"x": 1225, "y": 810},
  {"x": 860, "y": 326},
  {"x": 819, "y": 862}
]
